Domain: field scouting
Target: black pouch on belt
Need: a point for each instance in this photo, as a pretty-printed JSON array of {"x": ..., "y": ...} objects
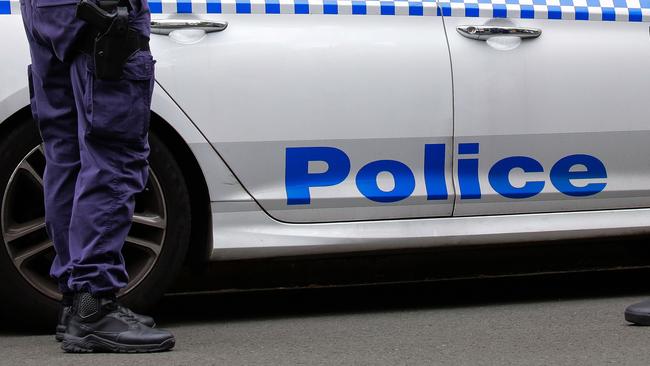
[{"x": 111, "y": 42}]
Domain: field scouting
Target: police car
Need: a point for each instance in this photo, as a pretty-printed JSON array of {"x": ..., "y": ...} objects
[{"x": 302, "y": 127}]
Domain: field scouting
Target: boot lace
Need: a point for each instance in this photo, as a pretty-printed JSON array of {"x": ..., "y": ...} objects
[
  {"x": 126, "y": 311},
  {"x": 127, "y": 318},
  {"x": 120, "y": 312}
]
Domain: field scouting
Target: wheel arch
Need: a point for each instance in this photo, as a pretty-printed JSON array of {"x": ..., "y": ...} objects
[
  {"x": 201, "y": 234},
  {"x": 20, "y": 116}
]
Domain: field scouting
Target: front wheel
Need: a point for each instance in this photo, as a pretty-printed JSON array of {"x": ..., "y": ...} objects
[{"x": 154, "y": 250}]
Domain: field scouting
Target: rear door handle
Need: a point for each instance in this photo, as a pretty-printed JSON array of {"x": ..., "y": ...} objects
[
  {"x": 485, "y": 32},
  {"x": 166, "y": 26}
]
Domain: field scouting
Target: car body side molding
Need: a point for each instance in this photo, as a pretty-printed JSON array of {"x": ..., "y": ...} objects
[{"x": 243, "y": 231}]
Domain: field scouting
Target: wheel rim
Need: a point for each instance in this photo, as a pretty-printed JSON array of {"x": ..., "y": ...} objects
[{"x": 31, "y": 250}]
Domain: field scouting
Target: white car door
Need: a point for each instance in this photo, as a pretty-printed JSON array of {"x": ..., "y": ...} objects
[
  {"x": 559, "y": 122},
  {"x": 325, "y": 111}
]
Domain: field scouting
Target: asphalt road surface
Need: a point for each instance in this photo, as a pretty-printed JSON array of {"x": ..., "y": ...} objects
[{"x": 549, "y": 320}]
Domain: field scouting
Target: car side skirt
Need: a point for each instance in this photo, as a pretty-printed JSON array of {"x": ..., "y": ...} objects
[{"x": 243, "y": 231}]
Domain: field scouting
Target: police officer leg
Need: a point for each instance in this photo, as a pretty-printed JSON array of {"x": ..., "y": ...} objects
[
  {"x": 52, "y": 32},
  {"x": 53, "y": 108},
  {"x": 113, "y": 125}
]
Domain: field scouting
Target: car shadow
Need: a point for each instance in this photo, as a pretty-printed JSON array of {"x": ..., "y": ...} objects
[
  {"x": 323, "y": 301},
  {"x": 313, "y": 301}
]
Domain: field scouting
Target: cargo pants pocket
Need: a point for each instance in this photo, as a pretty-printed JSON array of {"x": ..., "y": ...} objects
[{"x": 120, "y": 109}]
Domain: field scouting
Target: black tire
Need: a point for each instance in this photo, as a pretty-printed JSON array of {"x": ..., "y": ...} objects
[{"x": 23, "y": 302}]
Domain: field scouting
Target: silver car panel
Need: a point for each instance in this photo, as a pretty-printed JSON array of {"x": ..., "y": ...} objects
[
  {"x": 374, "y": 88},
  {"x": 577, "y": 89}
]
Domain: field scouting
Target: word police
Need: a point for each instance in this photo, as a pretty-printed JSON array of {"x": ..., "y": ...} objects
[{"x": 563, "y": 174}]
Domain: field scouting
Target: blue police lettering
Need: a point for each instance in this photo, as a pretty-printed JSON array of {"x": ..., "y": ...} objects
[
  {"x": 499, "y": 173},
  {"x": 297, "y": 176},
  {"x": 434, "y": 171},
  {"x": 563, "y": 175},
  {"x": 403, "y": 176},
  {"x": 468, "y": 172}
]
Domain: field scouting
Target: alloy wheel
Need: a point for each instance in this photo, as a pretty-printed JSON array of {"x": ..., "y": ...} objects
[{"x": 31, "y": 250}]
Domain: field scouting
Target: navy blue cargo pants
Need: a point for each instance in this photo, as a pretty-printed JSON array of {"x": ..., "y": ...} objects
[{"x": 95, "y": 142}]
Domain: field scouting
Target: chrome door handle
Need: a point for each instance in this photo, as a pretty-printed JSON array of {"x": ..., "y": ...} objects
[
  {"x": 166, "y": 26},
  {"x": 484, "y": 32}
]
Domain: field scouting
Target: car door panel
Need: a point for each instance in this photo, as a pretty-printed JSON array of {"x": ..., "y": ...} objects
[
  {"x": 557, "y": 123},
  {"x": 323, "y": 117}
]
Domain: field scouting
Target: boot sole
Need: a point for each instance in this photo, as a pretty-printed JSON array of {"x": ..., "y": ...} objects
[
  {"x": 637, "y": 318},
  {"x": 92, "y": 343},
  {"x": 60, "y": 331}
]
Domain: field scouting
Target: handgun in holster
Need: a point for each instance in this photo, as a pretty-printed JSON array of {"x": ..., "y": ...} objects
[{"x": 109, "y": 40}]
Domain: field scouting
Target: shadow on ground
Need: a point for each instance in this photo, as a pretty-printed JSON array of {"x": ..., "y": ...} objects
[
  {"x": 192, "y": 308},
  {"x": 287, "y": 303}
]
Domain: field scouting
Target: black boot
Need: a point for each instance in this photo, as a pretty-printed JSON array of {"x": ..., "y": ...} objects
[
  {"x": 64, "y": 316},
  {"x": 66, "y": 310},
  {"x": 98, "y": 325},
  {"x": 638, "y": 313}
]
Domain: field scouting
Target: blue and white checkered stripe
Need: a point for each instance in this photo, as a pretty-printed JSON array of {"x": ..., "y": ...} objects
[
  {"x": 333, "y": 7},
  {"x": 601, "y": 10},
  {"x": 328, "y": 7},
  {"x": 9, "y": 7}
]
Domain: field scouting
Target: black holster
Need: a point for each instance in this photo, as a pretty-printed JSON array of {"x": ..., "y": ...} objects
[{"x": 109, "y": 40}]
